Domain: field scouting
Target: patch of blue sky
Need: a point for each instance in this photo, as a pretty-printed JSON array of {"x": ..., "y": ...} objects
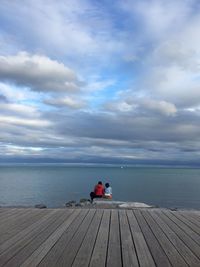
[
  {"x": 117, "y": 13},
  {"x": 16, "y": 24},
  {"x": 23, "y": 95},
  {"x": 98, "y": 98},
  {"x": 196, "y": 77},
  {"x": 126, "y": 76},
  {"x": 38, "y": 104}
]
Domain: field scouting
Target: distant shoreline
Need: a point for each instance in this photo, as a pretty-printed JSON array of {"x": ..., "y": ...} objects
[{"x": 100, "y": 165}]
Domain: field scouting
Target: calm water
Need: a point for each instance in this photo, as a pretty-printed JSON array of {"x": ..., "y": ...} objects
[{"x": 55, "y": 185}]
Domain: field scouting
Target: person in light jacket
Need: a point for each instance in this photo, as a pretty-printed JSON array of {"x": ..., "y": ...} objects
[{"x": 108, "y": 191}]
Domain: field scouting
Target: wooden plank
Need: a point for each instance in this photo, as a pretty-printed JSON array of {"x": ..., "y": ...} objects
[
  {"x": 73, "y": 246},
  {"x": 174, "y": 257},
  {"x": 4, "y": 210},
  {"x": 7, "y": 227},
  {"x": 43, "y": 249},
  {"x": 15, "y": 220},
  {"x": 191, "y": 221},
  {"x": 177, "y": 237},
  {"x": 25, "y": 249},
  {"x": 50, "y": 260},
  {"x": 154, "y": 246},
  {"x": 129, "y": 256},
  {"x": 14, "y": 217},
  {"x": 9, "y": 215},
  {"x": 85, "y": 251},
  {"x": 7, "y": 212},
  {"x": 10, "y": 222},
  {"x": 13, "y": 229},
  {"x": 191, "y": 214},
  {"x": 100, "y": 249},
  {"x": 56, "y": 238},
  {"x": 26, "y": 233},
  {"x": 114, "y": 257},
  {"x": 184, "y": 234},
  {"x": 185, "y": 225},
  {"x": 143, "y": 254}
]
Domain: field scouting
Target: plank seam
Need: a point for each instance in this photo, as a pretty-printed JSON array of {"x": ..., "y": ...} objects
[
  {"x": 120, "y": 238},
  {"x": 167, "y": 238},
  {"x": 30, "y": 240},
  {"x": 133, "y": 239},
  {"x": 62, "y": 225},
  {"x": 96, "y": 237},
  {"x": 196, "y": 224},
  {"x": 145, "y": 239},
  {"x": 187, "y": 225},
  {"x": 178, "y": 236},
  {"x": 185, "y": 234},
  {"x": 72, "y": 237},
  {"x": 106, "y": 261},
  {"x": 43, "y": 219},
  {"x": 79, "y": 225},
  {"x": 194, "y": 216},
  {"x": 83, "y": 238}
]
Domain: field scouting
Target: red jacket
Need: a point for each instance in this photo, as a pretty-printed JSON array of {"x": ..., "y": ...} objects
[{"x": 99, "y": 190}]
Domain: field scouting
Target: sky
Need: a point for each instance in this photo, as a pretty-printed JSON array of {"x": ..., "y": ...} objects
[{"x": 112, "y": 82}]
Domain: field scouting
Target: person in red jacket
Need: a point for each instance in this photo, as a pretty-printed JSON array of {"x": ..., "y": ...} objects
[{"x": 98, "y": 191}]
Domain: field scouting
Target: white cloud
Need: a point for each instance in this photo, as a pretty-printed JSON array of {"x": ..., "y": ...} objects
[
  {"x": 161, "y": 16},
  {"x": 37, "y": 72},
  {"x": 176, "y": 85},
  {"x": 171, "y": 62},
  {"x": 158, "y": 17},
  {"x": 121, "y": 106},
  {"x": 20, "y": 109},
  {"x": 37, "y": 123},
  {"x": 161, "y": 107},
  {"x": 95, "y": 83},
  {"x": 77, "y": 29},
  {"x": 66, "y": 102},
  {"x": 189, "y": 35},
  {"x": 150, "y": 51},
  {"x": 175, "y": 53},
  {"x": 141, "y": 105},
  {"x": 14, "y": 150}
]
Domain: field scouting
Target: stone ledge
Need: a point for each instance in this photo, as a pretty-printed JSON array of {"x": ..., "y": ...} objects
[{"x": 120, "y": 204}]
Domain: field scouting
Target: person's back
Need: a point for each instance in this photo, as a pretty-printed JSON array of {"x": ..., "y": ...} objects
[
  {"x": 99, "y": 190},
  {"x": 108, "y": 191}
]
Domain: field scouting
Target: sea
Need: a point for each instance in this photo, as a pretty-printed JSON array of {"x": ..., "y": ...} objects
[{"x": 56, "y": 184}]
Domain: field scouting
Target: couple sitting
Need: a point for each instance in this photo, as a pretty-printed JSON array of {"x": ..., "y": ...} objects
[{"x": 100, "y": 191}]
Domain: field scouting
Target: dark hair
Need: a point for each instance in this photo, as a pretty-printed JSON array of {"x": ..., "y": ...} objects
[
  {"x": 99, "y": 182},
  {"x": 107, "y": 185}
]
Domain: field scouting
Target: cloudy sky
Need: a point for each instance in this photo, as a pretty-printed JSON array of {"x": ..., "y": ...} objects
[{"x": 89, "y": 81}]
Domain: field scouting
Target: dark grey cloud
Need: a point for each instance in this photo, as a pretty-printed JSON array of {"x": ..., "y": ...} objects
[
  {"x": 128, "y": 127},
  {"x": 77, "y": 136}
]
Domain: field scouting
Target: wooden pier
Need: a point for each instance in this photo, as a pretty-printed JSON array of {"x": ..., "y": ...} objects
[{"x": 99, "y": 237}]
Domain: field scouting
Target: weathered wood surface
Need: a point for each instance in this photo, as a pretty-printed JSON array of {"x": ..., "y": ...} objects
[{"x": 98, "y": 237}]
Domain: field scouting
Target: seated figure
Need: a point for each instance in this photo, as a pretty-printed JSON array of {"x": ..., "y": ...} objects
[
  {"x": 108, "y": 191},
  {"x": 98, "y": 191}
]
